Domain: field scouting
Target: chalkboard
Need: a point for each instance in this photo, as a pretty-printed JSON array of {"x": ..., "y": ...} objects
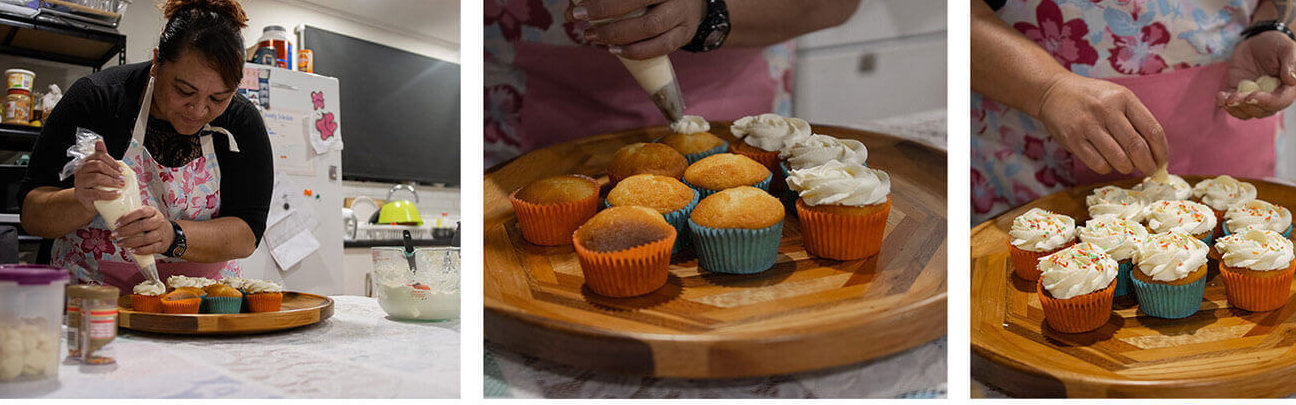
[{"x": 401, "y": 109}]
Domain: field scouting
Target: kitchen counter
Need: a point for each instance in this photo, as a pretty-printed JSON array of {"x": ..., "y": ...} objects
[{"x": 358, "y": 353}]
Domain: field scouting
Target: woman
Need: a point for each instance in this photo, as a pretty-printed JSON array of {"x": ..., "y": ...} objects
[
  {"x": 200, "y": 152},
  {"x": 546, "y": 82},
  {"x": 1075, "y": 92}
]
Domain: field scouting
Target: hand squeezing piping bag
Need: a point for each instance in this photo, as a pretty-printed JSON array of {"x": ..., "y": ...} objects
[{"x": 656, "y": 76}]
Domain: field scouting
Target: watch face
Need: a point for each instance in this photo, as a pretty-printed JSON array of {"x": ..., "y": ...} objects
[{"x": 717, "y": 35}]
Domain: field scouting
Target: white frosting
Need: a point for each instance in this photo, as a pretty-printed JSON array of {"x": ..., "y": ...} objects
[
  {"x": 1256, "y": 249},
  {"x": 771, "y": 132},
  {"x": 1175, "y": 188},
  {"x": 1118, "y": 236},
  {"x": 149, "y": 287},
  {"x": 1077, "y": 270},
  {"x": 234, "y": 282},
  {"x": 1115, "y": 201},
  {"x": 1040, "y": 231},
  {"x": 690, "y": 124},
  {"x": 29, "y": 349},
  {"x": 1259, "y": 215},
  {"x": 1179, "y": 215},
  {"x": 182, "y": 281},
  {"x": 1223, "y": 192},
  {"x": 1171, "y": 256},
  {"x": 260, "y": 286},
  {"x": 836, "y": 183},
  {"x": 819, "y": 149}
]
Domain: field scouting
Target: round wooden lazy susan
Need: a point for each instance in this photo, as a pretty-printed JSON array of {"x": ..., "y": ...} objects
[
  {"x": 1218, "y": 352},
  {"x": 805, "y": 313},
  {"x": 299, "y": 309}
]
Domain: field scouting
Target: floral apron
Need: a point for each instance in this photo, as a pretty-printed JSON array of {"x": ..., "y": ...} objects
[{"x": 189, "y": 192}]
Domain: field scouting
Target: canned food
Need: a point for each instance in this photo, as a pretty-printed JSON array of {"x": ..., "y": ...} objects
[
  {"x": 306, "y": 61},
  {"x": 20, "y": 79}
]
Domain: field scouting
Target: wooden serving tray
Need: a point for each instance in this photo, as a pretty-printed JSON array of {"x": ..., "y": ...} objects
[
  {"x": 299, "y": 309},
  {"x": 1217, "y": 352},
  {"x": 805, "y": 313}
]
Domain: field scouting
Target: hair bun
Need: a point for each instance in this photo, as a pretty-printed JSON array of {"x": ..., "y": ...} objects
[{"x": 230, "y": 9}]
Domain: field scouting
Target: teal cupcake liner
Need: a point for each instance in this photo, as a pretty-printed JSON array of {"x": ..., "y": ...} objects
[
  {"x": 221, "y": 305},
  {"x": 1224, "y": 227},
  {"x": 703, "y": 193},
  {"x": 679, "y": 220},
  {"x": 789, "y": 196},
  {"x": 694, "y": 157},
  {"x": 736, "y": 251},
  {"x": 1124, "y": 274},
  {"x": 1169, "y": 301}
]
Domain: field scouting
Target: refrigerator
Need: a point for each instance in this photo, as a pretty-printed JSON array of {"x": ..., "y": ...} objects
[{"x": 302, "y": 247}]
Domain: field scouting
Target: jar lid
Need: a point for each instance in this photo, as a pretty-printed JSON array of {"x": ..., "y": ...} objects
[
  {"x": 270, "y": 28},
  {"x": 24, "y": 92},
  {"x": 91, "y": 291},
  {"x": 33, "y": 274},
  {"x": 20, "y": 71}
]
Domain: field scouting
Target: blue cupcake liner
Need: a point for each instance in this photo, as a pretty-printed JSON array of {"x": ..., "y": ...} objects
[
  {"x": 221, "y": 305},
  {"x": 703, "y": 193},
  {"x": 789, "y": 196},
  {"x": 1169, "y": 301},
  {"x": 1224, "y": 227},
  {"x": 736, "y": 251},
  {"x": 694, "y": 157},
  {"x": 1124, "y": 274},
  {"x": 679, "y": 220}
]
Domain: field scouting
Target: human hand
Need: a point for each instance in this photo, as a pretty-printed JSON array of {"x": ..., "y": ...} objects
[
  {"x": 145, "y": 231},
  {"x": 1103, "y": 124},
  {"x": 1269, "y": 53},
  {"x": 98, "y": 170},
  {"x": 667, "y": 25}
]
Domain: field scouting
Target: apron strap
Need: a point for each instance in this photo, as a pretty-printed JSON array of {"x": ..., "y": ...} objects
[
  {"x": 141, "y": 121},
  {"x": 233, "y": 146}
]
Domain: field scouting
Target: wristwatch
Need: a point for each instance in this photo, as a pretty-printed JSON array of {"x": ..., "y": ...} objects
[
  {"x": 713, "y": 30},
  {"x": 179, "y": 244},
  {"x": 1268, "y": 25}
]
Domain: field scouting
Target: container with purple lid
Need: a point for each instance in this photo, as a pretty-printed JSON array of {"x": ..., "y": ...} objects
[{"x": 31, "y": 317}]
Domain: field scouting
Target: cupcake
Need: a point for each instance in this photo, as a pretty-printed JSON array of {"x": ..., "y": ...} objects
[
  {"x": 764, "y": 136},
  {"x": 1119, "y": 237},
  {"x": 669, "y": 197},
  {"x": 1191, "y": 218},
  {"x": 550, "y": 209},
  {"x": 726, "y": 170},
  {"x": 1257, "y": 214},
  {"x": 737, "y": 230},
  {"x": 843, "y": 209},
  {"x": 1036, "y": 234},
  {"x": 1222, "y": 193},
  {"x": 693, "y": 139},
  {"x": 1257, "y": 269},
  {"x": 1170, "y": 275},
  {"x": 625, "y": 251},
  {"x": 820, "y": 149},
  {"x": 1115, "y": 201},
  {"x": 181, "y": 302},
  {"x": 263, "y": 296},
  {"x": 193, "y": 285},
  {"x": 1174, "y": 188},
  {"x": 147, "y": 296},
  {"x": 1076, "y": 288},
  {"x": 646, "y": 158},
  {"x": 222, "y": 299}
]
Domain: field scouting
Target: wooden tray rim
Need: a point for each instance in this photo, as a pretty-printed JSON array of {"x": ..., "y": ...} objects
[{"x": 322, "y": 308}]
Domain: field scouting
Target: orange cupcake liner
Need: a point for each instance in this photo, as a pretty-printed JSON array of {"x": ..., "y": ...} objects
[
  {"x": 1077, "y": 314},
  {"x": 1257, "y": 294},
  {"x": 626, "y": 273},
  {"x": 1026, "y": 263},
  {"x": 552, "y": 224},
  {"x": 771, "y": 162},
  {"x": 265, "y": 302},
  {"x": 185, "y": 306},
  {"x": 842, "y": 237},
  {"x": 146, "y": 303}
]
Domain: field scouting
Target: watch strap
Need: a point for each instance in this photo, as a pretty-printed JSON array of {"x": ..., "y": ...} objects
[
  {"x": 179, "y": 243},
  {"x": 1268, "y": 25},
  {"x": 715, "y": 22}
]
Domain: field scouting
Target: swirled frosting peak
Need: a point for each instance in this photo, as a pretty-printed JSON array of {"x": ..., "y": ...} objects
[
  {"x": 183, "y": 281},
  {"x": 1078, "y": 270},
  {"x": 1118, "y": 236},
  {"x": 819, "y": 149},
  {"x": 1040, "y": 231},
  {"x": 1256, "y": 249},
  {"x": 1115, "y": 201},
  {"x": 1223, "y": 192},
  {"x": 1174, "y": 188},
  {"x": 837, "y": 183},
  {"x": 690, "y": 124},
  {"x": 1179, "y": 215},
  {"x": 771, "y": 132},
  {"x": 260, "y": 286},
  {"x": 1170, "y": 256},
  {"x": 150, "y": 288},
  {"x": 1257, "y": 214}
]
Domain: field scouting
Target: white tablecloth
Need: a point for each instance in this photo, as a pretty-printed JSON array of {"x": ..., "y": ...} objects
[{"x": 358, "y": 353}]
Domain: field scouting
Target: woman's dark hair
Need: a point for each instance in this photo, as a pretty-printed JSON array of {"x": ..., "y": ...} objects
[{"x": 211, "y": 27}]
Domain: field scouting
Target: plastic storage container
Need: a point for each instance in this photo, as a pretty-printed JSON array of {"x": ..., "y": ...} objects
[
  {"x": 277, "y": 40},
  {"x": 19, "y": 79},
  {"x": 31, "y": 319},
  {"x": 428, "y": 293}
]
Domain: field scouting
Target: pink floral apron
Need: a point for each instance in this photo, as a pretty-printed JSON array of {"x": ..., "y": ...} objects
[
  {"x": 1172, "y": 54},
  {"x": 190, "y": 192}
]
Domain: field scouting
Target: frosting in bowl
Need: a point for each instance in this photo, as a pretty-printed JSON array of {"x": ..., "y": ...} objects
[
  {"x": 1175, "y": 188},
  {"x": 1118, "y": 236},
  {"x": 1077, "y": 270},
  {"x": 260, "y": 286},
  {"x": 771, "y": 132},
  {"x": 1223, "y": 192},
  {"x": 1257, "y": 214},
  {"x": 1115, "y": 201},
  {"x": 690, "y": 124},
  {"x": 1170, "y": 256},
  {"x": 1256, "y": 249},
  {"x": 195, "y": 282},
  {"x": 819, "y": 149},
  {"x": 1179, "y": 215},
  {"x": 837, "y": 183},
  {"x": 1040, "y": 231},
  {"x": 149, "y": 287}
]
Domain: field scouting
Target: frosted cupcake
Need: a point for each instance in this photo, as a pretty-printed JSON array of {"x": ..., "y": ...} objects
[
  {"x": 263, "y": 296},
  {"x": 764, "y": 136},
  {"x": 1222, "y": 193},
  {"x": 1036, "y": 234},
  {"x": 1170, "y": 275},
  {"x": 194, "y": 285},
  {"x": 819, "y": 149},
  {"x": 1120, "y": 238},
  {"x": 1076, "y": 288},
  {"x": 1257, "y": 269},
  {"x": 693, "y": 139},
  {"x": 1174, "y": 188},
  {"x": 1115, "y": 201},
  {"x": 1191, "y": 218},
  {"x": 147, "y": 296},
  {"x": 843, "y": 209},
  {"x": 1257, "y": 214}
]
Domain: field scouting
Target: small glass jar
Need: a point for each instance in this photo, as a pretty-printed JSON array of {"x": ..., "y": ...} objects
[
  {"x": 17, "y": 108},
  {"x": 92, "y": 323}
]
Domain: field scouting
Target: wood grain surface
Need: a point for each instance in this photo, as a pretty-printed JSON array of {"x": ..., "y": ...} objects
[
  {"x": 1217, "y": 352},
  {"x": 299, "y": 309},
  {"x": 805, "y": 313}
]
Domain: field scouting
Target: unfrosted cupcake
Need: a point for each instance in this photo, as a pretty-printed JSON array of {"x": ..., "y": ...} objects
[
  {"x": 724, "y": 171},
  {"x": 1120, "y": 238},
  {"x": 1174, "y": 188},
  {"x": 625, "y": 251},
  {"x": 669, "y": 197},
  {"x": 1076, "y": 288},
  {"x": 646, "y": 158},
  {"x": 194, "y": 285},
  {"x": 550, "y": 209},
  {"x": 1170, "y": 275},
  {"x": 1036, "y": 234},
  {"x": 1115, "y": 201},
  {"x": 1257, "y": 214},
  {"x": 693, "y": 139},
  {"x": 263, "y": 296},
  {"x": 1189, "y": 217},
  {"x": 147, "y": 296},
  {"x": 1257, "y": 269},
  {"x": 762, "y": 137},
  {"x": 181, "y": 302},
  {"x": 737, "y": 231},
  {"x": 222, "y": 299},
  {"x": 843, "y": 209}
]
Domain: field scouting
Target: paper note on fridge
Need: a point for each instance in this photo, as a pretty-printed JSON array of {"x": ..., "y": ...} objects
[
  {"x": 288, "y": 131},
  {"x": 290, "y": 239}
]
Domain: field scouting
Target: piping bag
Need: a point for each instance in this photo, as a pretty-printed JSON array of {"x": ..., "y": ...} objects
[{"x": 655, "y": 75}]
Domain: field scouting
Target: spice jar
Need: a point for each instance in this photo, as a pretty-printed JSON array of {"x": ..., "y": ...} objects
[
  {"x": 17, "y": 107},
  {"x": 97, "y": 327}
]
